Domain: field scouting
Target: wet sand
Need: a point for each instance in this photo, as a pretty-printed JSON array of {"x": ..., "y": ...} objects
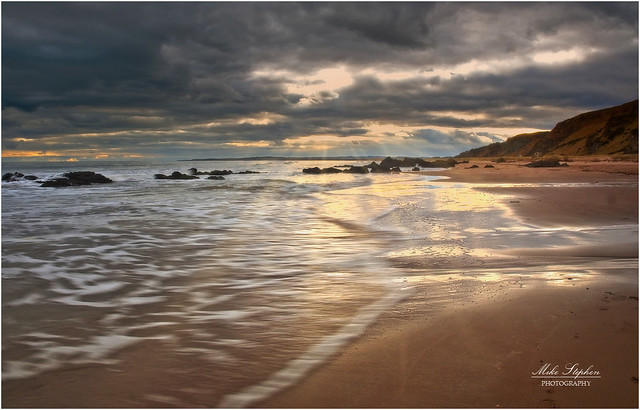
[
  {"x": 485, "y": 356},
  {"x": 483, "y": 353}
]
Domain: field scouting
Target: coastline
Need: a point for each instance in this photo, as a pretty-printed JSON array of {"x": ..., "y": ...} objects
[
  {"x": 468, "y": 334},
  {"x": 482, "y": 353}
]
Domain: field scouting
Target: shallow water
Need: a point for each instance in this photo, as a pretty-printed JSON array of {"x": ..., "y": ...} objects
[{"x": 253, "y": 280}]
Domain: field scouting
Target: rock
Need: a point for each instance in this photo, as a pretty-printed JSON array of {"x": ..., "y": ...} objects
[
  {"x": 218, "y": 177},
  {"x": 472, "y": 166},
  {"x": 194, "y": 171},
  {"x": 314, "y": 170},
  {"x": 76, "y": 178},
  {"x": 415, "y": 169},
  {"x": 357, "y": 170},
  {"x": 389, "y": 162},
  {"x": 439, "y": 163},
  {"x": 86, "y": 178},
  {"x": 489, "y": 166},
  {"x": 331, "y": 170},
  {"x": 12, "y": 177},
  {"x": 56, "y": 183},
  {"x": 375, "y": 168},
  {"x": 409, "y": 162},
  {"x": 317, "y": 171},
  {"x": 17, "y": 176},
  {"x": 175, "y": 175},
  {"x": 249, "y": 172},
  {"x": 546, "y": 163}
]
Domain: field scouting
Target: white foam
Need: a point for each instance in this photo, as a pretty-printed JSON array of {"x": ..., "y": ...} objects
[{"x": 55, "y": 356}]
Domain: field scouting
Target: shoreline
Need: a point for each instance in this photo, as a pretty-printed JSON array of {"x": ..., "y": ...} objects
[
  {"x": 468, "y": 319},
  {"x": 484, "y": 356},
  {"x": 482, "y": 353}
]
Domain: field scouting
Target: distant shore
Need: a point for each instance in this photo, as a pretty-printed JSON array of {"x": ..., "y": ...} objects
[{"x": 486, "y": 354}]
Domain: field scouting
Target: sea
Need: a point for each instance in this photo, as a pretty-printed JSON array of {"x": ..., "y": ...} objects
[{"x": 221, "y": 293}]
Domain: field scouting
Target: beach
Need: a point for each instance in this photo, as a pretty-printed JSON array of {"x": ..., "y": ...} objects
[
  {"x": 496, "y": 345},
  {"x": 440, "y": 288}
]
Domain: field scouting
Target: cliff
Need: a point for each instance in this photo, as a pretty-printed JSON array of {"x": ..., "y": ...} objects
[{"x": 603, "y": 132}]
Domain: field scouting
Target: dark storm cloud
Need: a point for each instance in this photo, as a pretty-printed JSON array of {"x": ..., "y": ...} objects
[{"x": 121, "y": 76}]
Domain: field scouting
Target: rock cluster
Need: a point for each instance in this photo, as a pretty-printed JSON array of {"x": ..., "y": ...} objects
[
  {"x": 193, "y": 174},
  {"x": 387, "y": 165},
  {"x": 316, "y": 170},
  {"x": 74, "y": 178},
  {"x": 77, "y": 178},
  {"x": 17, "y": 176},
  {"x": 194, "y": 171},
  {"x": 175, "y": 175}
]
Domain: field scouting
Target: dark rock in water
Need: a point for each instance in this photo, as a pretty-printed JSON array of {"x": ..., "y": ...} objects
[
  {"x": 194, "y": 171},
  {"x": 249, "y": 172},
  {"x": 396, "y": 169},
  {"x": 409, "y": 162},
  {"x": 12, "y": 176},
  {"x": 379, "y": 169},
  {"x": 175, "y": 175},
  {"x": 17, "y": 176},
  {"x": 314, "y": 170},
  {"x": 76, "y": 178},
  {"x": 180, "y": 175},
  {"x": 546, "y": 163},
  {"x": 317, "y": 171},
  {"x": 472, "y": 167},
  {"x": 218, "y": 177},
  {"x": 489, "y": 166},
  {"x": 56, "y": 183},
  {"x": 86, "y": 178},
  {"x": 389, "y": 162},
  {"x": 415, "y": 169},
  {"x": 357, "y": 170}
]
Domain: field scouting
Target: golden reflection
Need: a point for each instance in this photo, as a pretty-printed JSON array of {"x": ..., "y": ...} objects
[
  {"x": 564, "y": 277},
  {"x": 463, "y": 198}
]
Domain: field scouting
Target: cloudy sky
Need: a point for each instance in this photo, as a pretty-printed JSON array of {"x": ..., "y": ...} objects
[{"x": 197, "y": 80}]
